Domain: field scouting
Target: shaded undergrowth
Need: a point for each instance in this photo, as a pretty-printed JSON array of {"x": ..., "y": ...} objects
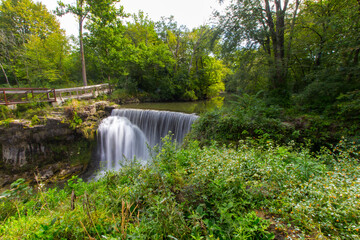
[
  {"x": 250, "y": 116},
  {"x": 199, "y": 193}
]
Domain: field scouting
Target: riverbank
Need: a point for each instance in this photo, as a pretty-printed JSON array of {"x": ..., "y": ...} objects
[
  {"x": 255, "y": 191},
  {"x": 52, "y": 146},
  {"x": 238, "y": 176}
]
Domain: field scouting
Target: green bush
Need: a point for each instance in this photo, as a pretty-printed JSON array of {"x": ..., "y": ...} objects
[
  {"x": 28, "y": 110},
  {"x": 35, "y": 120},
  {"x": 75, "y": 121},
  {"x": 348, "y": 106},
  {"x": 5, "y": 112},
  {"x": 119, "y": 94},
  {"x": 200, "y": 193},
  {"x": 246, "y": 117},
  {"x": 251, "y": 117}
]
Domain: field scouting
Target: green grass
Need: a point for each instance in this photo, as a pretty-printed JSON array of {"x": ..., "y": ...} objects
[{"x": 212, "y": 192}]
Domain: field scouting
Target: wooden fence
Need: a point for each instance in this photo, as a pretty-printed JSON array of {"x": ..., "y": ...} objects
[{"x": 12, "y": 96}]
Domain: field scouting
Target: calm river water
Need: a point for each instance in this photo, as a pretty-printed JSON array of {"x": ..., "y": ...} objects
[{"x": 185, "y": 107}]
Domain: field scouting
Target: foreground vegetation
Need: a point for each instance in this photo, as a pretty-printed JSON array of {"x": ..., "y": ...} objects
[
  {"x": 214, "y": 192},
  {"x": 263, "y": 168},
  {"x": 307, "y": 48}
]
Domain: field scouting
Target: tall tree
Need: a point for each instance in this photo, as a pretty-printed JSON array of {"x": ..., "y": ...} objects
[
  {"x": 105, "y": 39},
  {"x": 197, "y": 73},
  {"x": 325, "y": 56},
  {"x": 6, "y": 78},
  {"x": 24, "y": 23},
  {"x": 8, "y": 47},
  {"x": 197, "y": 39},
  {"x": 175, "y": 37},
  {"x": 262, "y": 24},
  {"x": 81, "y": 11},
  {"x": 149, "y": 60}
]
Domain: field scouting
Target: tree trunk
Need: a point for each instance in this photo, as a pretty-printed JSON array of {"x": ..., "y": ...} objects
[
  {"x": 280, "y": 82},
  {"x": 356, "y": 56},
  {"x": 82, "y": 55},
  {"x": 277, "y": 35},
  {"x": 7, "y": 80},
  {"x": 297, "y": 4},
  {"x": 203, "y": 34}
]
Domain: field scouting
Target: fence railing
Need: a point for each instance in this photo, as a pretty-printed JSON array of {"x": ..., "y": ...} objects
[
  {"x": 11, "y": 96},
  {"x": 82, "y": 92}
]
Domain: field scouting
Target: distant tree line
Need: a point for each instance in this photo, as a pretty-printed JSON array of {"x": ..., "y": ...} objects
[
  {"x": 301, "y": 50},
  {"x": 157, "y": 59}
]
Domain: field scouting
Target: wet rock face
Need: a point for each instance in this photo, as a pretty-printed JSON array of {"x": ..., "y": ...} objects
[
  {"x": 23, "y": 144},
  {"x": 15, "y": 155},
  {"x": 53, "y": 150},
  {"x": 43, "y": 150}
]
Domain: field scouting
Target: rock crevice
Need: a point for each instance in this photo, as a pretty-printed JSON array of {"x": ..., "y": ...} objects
[{"x": 56, "y": 144}]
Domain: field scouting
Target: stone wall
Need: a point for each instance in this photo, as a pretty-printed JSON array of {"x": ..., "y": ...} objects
[
  {"x": 23, "y": 144},
  {"x": 52, "y": 150}
]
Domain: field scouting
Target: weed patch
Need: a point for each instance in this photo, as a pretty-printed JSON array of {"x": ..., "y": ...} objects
[{"x": 211, "y": 192}]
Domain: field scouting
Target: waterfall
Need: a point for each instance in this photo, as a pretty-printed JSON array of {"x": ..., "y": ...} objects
[
  {"x": 120, "y": 140},
  {"x": 157, "y": 124},
  {"x": 128, "y": 133}
]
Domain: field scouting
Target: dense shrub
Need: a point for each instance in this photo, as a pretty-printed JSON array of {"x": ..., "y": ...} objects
[
  {"x": 348, "y": 106},
  {"x": 194, "y": 193},
  {"x": 251, "y": 117},
  {"x": 247, "y": 117},
  {"x": 5, "y": 112}
]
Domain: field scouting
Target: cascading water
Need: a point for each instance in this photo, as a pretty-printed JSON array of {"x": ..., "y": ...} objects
[
  {"x": 120, "y": 140},
  {"x": 128, "y": 133},
  {"x": 157, "y": 124}
]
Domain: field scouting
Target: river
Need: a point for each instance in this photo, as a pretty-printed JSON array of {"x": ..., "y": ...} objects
[{"x": 185, "y": 107}]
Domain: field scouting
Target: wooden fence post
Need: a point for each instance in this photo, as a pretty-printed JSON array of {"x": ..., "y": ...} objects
[{"x": 5, "y": 98}]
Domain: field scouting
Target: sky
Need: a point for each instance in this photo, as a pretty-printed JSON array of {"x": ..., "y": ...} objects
[{"x": 191, "y": 13}]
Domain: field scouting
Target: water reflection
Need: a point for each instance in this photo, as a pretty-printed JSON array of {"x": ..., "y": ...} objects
[{"x": 185, "y": 107}]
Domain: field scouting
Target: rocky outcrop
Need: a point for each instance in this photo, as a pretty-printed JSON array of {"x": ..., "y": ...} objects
[
  {"x": 55, "y": 147},
  {"x": 24, "y": 144}
]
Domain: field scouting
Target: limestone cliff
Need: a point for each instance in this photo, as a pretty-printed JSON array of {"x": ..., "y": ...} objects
[{"x": 56, "y": 147}]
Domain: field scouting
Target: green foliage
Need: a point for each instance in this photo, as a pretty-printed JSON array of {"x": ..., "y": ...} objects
[
  {"x": 35, "y": 120},
  {"x": 154, "y": 61},
  {"x": 319, "y": 95},
  {"x": 199, "y": 193},
  {"x": 310, "y": 49},
  {"x": 5, "y": 112},
  {"x": 148, "y": 60},
  {"x": 75, "y": 121},
  {"x": 29, "y": 110},
  {"x": 6, "y": 122},
  {"x": 251, "y": 117},
  {"x": 9, "y": 199},
  {"x": 17, "y": 190},
  {"x": 252, "y": 227},
  {"x": 32, "y": 44},
  {"x": 49, "y": 54},
  {"x": 70, "y": 111},
  {"x": 247, "y": 76},
  {"x": 349, "y": 106}
]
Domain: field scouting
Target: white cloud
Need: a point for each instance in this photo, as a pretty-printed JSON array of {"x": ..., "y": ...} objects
[
  {"x": 68, "y": 22},
  {"x": 191, "y": 13}
]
